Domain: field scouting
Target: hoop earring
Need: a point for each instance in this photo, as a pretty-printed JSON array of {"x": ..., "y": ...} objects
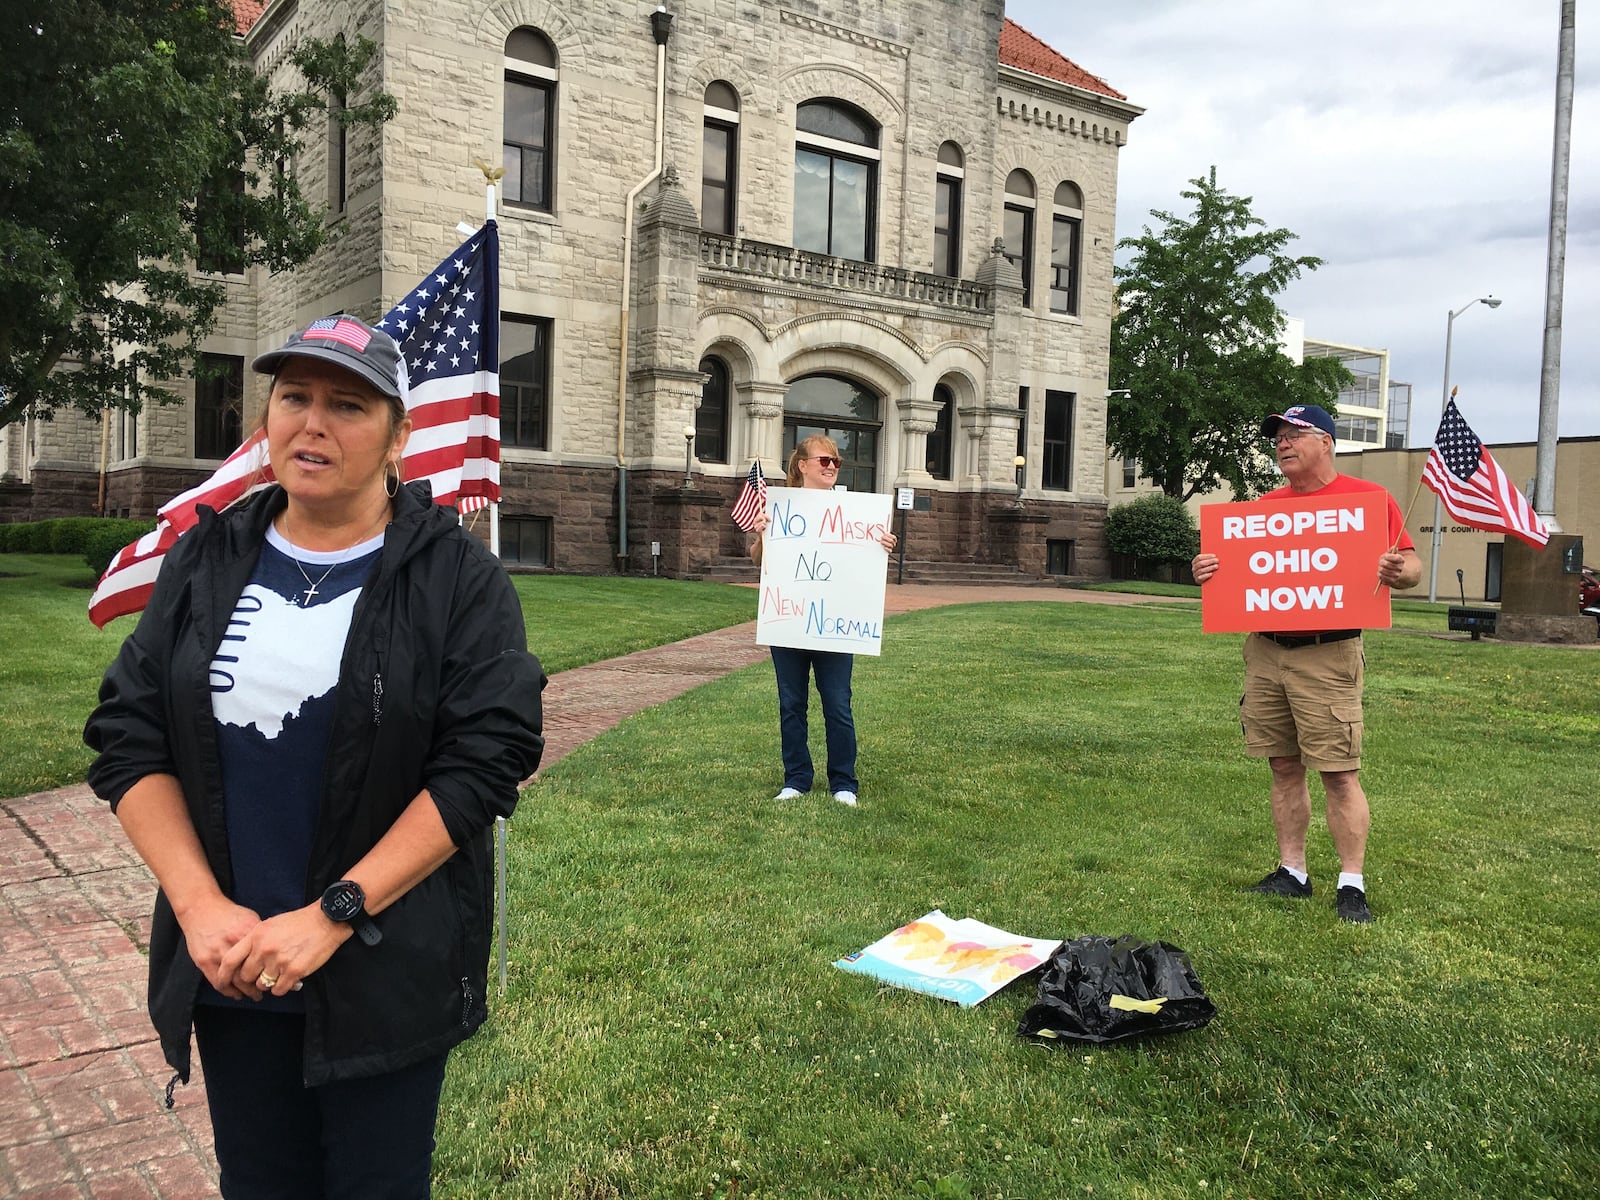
[{"x": 391, "y": 491}]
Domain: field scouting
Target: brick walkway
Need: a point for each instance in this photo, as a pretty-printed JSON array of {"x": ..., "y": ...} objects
[{"x": 81, "y": 1076}]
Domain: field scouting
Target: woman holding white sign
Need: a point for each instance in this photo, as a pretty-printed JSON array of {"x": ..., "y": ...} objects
[{"x": 814, "y": 464}]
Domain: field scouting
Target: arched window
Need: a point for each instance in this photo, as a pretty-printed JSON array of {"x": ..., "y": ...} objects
[
  {"x": 846, "y": 411},
  {"x": 1021, "y": 200},
  {"x": 711, "y": 418},
  {"x": 719, "y": 159},
  {"x": 947, "y": 211},
  {"x": 940, "y": 440},
  {"x": 835, "y": 180},
  {"x": 1066, "y": 245},
  {"x": 529, "y": 145}
]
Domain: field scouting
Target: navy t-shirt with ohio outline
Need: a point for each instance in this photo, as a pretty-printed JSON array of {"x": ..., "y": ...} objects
[{"x": 273, "y": 682}]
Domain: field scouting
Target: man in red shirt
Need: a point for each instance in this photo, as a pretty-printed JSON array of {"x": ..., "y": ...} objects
[{"x": 1302, "y": 699}]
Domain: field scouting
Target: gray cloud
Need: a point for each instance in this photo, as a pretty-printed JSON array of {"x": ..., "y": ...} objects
[{"x": 1408, "y": 145}]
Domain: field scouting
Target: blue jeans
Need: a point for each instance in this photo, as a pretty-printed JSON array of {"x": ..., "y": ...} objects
[
  {"x": 794, "y": 669},
  {"x": 277, "y": 1139}
]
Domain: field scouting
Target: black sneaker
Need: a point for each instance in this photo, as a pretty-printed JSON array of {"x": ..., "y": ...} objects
[
  {"x": 1351, "y": 904},
  {"x": 1281, "y": 883}
]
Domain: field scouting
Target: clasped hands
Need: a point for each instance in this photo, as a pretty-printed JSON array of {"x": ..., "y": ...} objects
[{"x": 245, "y": 958}]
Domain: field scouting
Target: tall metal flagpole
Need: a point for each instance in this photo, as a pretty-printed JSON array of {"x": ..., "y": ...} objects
[
  {"x": 494, "y": 548},
  {"x": 1544, "y": 488},
  {"x": 491, "y": 176}
]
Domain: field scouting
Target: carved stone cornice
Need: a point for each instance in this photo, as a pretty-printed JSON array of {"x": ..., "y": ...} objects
[
  {"x": 1056, "y": 92},
  {"x": 854, "y": 36},
  {"x": 665, "y": 374}
]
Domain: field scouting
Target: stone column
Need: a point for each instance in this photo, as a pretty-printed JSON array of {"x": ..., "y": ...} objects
[
  {"x": 993, "y": 422},
  {"x": 665, "y": 375},
  {"x": 763, "y": 423},
  {"x": 918, "y": 417}
]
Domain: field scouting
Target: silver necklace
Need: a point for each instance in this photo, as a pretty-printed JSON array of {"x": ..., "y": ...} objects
[{"x": 311, "y": 588}]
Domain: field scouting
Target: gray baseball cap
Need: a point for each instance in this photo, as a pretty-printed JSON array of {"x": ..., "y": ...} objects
[{"x": 347, "y": 342}]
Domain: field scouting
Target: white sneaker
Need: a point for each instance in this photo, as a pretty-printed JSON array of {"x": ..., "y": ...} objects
[
  {"x": 845, "y": 798},
  {"x": 790, "y": 793}
]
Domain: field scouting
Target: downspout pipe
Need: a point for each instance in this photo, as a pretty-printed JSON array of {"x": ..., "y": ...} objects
[{"x": 661, "y": 29}]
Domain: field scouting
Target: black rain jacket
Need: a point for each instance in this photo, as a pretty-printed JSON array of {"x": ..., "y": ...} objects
[{"x": 436, "y": 690}]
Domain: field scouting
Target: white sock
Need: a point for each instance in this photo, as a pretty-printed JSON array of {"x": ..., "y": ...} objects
[
  {"x": 1299, "y": 876},
  {"x": 1355, "y": 880}
]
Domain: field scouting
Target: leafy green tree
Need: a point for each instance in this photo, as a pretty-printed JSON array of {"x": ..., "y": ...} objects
[
  {"x": 1157, "y": 529},
  {"x": 135, "y": 140},
  {"x": 1195, "y": 344}
]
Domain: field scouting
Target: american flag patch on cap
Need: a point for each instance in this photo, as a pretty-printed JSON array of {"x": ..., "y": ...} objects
[{"x": 339, "y": 329}]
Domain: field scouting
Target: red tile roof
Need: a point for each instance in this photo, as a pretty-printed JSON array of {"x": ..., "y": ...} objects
[
  {"x": 1020, "y": 49},
  {"x": 246, "y": 13}
]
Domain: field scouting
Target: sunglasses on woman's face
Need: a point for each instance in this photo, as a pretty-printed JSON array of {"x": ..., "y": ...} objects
[{"x": 827, "y": 460}]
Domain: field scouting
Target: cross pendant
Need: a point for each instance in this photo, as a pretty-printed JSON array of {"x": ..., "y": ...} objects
[{"x": 310, "y": 592}]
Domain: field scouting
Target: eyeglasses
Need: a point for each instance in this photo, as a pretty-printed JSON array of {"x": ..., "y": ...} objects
[
  {"x": 827, "y": 460},
  {"x": 1286, "y": 434}
]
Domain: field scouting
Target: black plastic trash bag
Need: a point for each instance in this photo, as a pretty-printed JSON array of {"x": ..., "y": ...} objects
[{"x": 1100, "y": 989}]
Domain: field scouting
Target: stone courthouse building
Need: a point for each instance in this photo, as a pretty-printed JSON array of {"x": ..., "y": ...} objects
[{"x": 725, "y": 225}]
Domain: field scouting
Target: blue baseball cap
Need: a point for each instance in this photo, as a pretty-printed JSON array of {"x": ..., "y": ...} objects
[{"x": 1306, "y": 416}]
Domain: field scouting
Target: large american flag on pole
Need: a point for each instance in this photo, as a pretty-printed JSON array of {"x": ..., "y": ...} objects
[
  {"x": 448, "y": 328},
  {"x": 1472, "y": 486},
  {"x": 449, "y": 334}
]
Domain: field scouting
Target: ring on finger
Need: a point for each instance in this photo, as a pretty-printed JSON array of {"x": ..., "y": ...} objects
[{"x": 266, "y": 982}]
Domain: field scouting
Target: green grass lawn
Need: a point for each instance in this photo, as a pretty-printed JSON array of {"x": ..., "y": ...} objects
[
  {"x": 51, "y": 658},
  {"x": 673, "y": 1026}
]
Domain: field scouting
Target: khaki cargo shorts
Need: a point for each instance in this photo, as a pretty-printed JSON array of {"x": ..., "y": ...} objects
[{"x": 1305, "y": 700}]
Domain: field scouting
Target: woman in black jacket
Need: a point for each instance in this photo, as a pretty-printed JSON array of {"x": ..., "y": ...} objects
[{"x": 325, "y": 705}]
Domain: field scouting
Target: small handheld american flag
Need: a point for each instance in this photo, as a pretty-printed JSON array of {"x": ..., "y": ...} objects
[
  {"x": 1465, "y": 476},
  {"x": 752, "y": 498}
]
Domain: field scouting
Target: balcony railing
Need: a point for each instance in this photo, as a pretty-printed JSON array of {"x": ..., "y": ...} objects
[{"x": 767, "y": 261}]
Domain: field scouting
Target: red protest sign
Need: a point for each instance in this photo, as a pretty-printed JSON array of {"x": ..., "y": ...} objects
[{"x": 1295, "y": 564}]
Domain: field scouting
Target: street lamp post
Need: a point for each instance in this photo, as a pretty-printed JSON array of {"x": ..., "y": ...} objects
[
  {"x": 1019, "y": 462},
  {"x": 1438, "y": 509},
  {"x": 688, "y": 457}
]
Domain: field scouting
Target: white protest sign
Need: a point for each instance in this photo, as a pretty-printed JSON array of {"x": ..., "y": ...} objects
[{"x": 823, "y": 570}]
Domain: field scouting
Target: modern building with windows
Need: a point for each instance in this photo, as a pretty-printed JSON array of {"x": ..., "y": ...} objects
[
  {"x": 724, "y": 227},
  {"x": 1365, "y": 407}
]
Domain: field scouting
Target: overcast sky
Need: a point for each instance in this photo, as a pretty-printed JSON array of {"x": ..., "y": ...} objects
[{"x": 1407, "y": 143}]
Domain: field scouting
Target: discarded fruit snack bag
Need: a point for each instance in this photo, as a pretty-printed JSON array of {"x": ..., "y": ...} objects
[{"x": 1100, "y": 989}]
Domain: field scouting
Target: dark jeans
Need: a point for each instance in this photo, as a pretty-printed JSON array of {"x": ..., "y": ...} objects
[
  {"x": 278, "y": 1138},
  {"x": 794, "y": 669}
]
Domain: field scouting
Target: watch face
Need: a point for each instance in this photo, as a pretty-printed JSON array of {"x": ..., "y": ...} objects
[{"x": 343, "y": 901}]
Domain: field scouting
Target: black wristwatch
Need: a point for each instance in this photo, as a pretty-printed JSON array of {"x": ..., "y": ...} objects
[{"x": 346, "y": 903}]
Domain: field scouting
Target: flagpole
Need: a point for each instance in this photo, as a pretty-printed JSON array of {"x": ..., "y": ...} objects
[
  {"x": 1544, "y": 489},
  {"x": 492, "y": 175},
  {"x": 490, "y": 179}
]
